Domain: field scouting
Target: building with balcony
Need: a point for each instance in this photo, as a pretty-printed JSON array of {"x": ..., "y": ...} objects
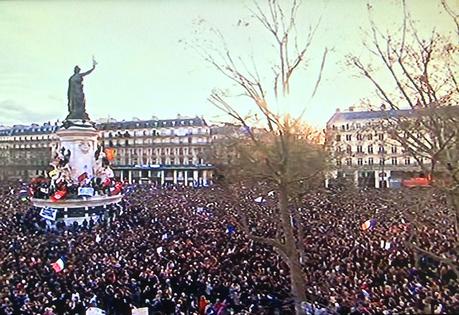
[
  {"x": 162, "y": 151},
  {"x": 364, "y": 151},
  {"x": 25, "y": 151}
]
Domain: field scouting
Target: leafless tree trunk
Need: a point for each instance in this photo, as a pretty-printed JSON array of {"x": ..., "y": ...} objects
[{"x": 274, "y": 148}]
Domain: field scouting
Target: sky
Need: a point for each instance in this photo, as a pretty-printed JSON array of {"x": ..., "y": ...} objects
[{"x": 148, "y": 65}]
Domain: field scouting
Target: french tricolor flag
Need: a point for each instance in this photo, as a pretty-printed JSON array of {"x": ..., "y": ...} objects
[{"x": 59, "y": 265}]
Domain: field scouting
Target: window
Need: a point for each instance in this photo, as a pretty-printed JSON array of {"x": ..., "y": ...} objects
[
  {"x": 338, "y": 162},
  {"x": 381, "y": 136},
  {"x": 394, "y": 149},
  {"x": 381, "y": 149},
  {"x": 394, "y": 161},
  {"x": 359, "y": 137},
  {"x": 381, "y": 162},
  {"x": 339, "y": 149},
  {"x": 359, "y": 161},
  {"x": 370, "y": 149},
  {"x": 349, "y": 149},
  {"x": 370, "y": 136},
  {"x": 357, "y": 125},
  {"x": 348, "y": 137},
  {"x": 347, "y": 126},
  {"x": 407, "y": 161},
  {"x": 348, "y": 161},
  {"x": 359, "y": 149},
  {"x": 338, "y": 137},
  {"x": 370, "y": 161}
]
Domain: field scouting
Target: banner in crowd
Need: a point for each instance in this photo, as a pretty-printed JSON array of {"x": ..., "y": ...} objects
[
  {"x": 95, "y": 311},
  {"x": 259, "y": 199},
  {"x": 139, "y": 311},
  {"x": 23, "y": 194},
  {"x": 368, "y": 224},
  {"x": 86, "y": 191},
  {"x": 230, "y": 229},
  {"x": 48, "y": 213},
  {"x": 58, "y": 195}
]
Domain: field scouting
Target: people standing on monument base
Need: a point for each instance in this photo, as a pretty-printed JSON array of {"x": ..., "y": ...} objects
[{"x": 170, "y": 249}]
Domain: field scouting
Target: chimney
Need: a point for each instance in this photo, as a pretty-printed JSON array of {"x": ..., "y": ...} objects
[
  {"x": 351, "y": 108},
  {"x": 338, "y": 110}
]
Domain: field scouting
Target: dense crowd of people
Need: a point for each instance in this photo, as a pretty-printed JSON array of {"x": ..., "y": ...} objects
[{"x": 181, "y": 250}]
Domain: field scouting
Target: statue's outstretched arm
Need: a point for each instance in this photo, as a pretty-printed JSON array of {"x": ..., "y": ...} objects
[{"x": 89, "y": 71}]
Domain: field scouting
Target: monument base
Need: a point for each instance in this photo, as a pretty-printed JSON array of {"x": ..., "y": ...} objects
[
  {"x": 81, "y": 143},
  {"x": 78, "y": 210}
]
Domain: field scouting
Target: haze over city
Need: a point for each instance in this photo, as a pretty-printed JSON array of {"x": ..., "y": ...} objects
[{"x": 147, "y": 64}]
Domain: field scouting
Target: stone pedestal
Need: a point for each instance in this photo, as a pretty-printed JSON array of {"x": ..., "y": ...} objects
[
  {"x": 82, "y": 143},
  {"x": 79, "y": 137}
]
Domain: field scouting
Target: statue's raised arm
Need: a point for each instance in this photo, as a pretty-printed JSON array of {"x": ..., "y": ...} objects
[
  {"x": 89, "y": 71},
  {"x": 75, "y": 94}
]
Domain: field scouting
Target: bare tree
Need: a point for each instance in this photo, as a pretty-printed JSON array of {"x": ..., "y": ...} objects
[
  {"x": 272, "y": 147},
  {"x": 423, "y": 71}
]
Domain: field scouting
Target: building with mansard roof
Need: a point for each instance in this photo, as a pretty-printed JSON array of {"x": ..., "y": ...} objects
[
  {"x": 163, "y": 151},
  {"x": 364, "y": 152}
]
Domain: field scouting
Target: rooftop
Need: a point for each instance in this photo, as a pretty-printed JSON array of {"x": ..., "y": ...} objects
[
  {"x": 368, "y": 115},
  {"x": 132, "y": 124},
  {"x": 153, "y": 123}
]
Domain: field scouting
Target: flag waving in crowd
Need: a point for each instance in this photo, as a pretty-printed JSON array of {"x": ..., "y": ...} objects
[{"x": 59, "y": 265}]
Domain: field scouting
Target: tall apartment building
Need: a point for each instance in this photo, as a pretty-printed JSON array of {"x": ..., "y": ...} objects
[
  {"x": 163, "y": 151},
  {"x": 364, "y": 151},
  {"x": 25, "y": 151}
]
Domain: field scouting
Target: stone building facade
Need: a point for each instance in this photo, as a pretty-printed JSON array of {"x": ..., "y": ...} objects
[
  {"x": 364, "y": 152},
  {"x": 162, "y": 151}
]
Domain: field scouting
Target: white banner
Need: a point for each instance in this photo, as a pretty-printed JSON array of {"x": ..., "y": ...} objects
[
  {"x": 48, "y": 213},
  {"x": 85, "y": 191},
  {"x": 140, "y": 311},
  {"x": 95, "y": 311}
]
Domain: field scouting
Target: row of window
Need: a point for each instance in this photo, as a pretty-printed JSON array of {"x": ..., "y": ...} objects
[
  {"x": 166, "y": 132},
  {"x": 126, "y": 142},
  {"x": 370, "y": 161},
  {"x": 349, "y": 126},
  {"x": 165, "y": 161},
  {"x": 360, "y": 137},
  {"x": 359, "y": 149},
  {"x": 26, "y": 138}
]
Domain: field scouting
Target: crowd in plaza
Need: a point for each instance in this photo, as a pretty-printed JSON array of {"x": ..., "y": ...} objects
[{"x": 181, "y": 250}]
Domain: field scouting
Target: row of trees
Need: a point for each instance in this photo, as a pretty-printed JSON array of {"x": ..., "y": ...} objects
[{"x": 274, "y": 147}]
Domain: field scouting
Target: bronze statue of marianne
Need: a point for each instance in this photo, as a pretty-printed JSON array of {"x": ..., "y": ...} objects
[{"x": 76, "y": 99}]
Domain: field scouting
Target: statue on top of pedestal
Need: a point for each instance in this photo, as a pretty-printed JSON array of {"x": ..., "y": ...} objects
[{"x": 75, "y": 94}]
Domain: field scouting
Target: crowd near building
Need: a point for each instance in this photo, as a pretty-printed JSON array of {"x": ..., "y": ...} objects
[
  {"x": 364, "y": 151},
  {"x": 162, "y": 151}
]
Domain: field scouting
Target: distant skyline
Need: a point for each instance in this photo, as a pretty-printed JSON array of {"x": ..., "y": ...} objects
[{"x": 145, "y": 66}]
